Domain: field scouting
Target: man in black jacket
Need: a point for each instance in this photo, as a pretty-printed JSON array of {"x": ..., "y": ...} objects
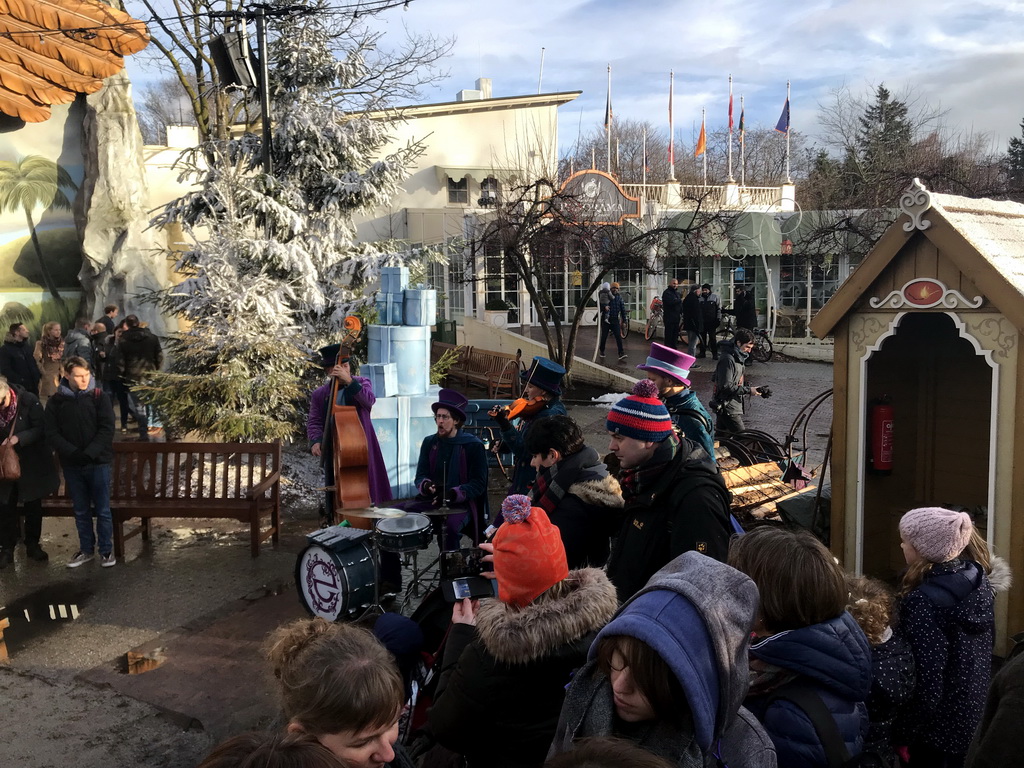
[
  {"x": 674, "y": 502},
  {"x": 693, "y": 320},
  {"x": 139, "y": 355},
  {"x": 17, "y": 364},
  {"x": 575, "y": 488},
  {"x": 672, "y": 312},
  {"x": 79, "y": 423}
]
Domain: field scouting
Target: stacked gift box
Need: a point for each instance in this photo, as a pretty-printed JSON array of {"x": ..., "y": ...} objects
[{"x": 398, "y": 364}]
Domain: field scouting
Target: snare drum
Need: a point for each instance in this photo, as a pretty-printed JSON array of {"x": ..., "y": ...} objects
[
  {"x": 334, "y": 574},
  {"x": 404, "y": 534}
]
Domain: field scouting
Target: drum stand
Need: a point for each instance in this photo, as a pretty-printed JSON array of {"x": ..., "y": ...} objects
[{"x": 374, "y": 608}]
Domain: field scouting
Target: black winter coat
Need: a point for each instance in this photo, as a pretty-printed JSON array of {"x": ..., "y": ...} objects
[
  {"x": 746, "y": 312},
  {"x": 686, "y": 508},
  {"x": 80, "y": 426},
  {"x": 892, "y": 687},
  {"x": 693, "y": 318},
  {"x": 949, "y": 622},
  {"x": 140, "y": 354},
  {"x": 997, "y": 741},
  {"x": 671, "y": 306},
  {"x": 39, "y": 476},
  {"x": 18, "y": 365},
  {"x": 503, "y": 682}
]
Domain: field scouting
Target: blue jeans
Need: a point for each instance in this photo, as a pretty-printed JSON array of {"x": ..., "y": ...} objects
[{"x": 89, "y": 489}]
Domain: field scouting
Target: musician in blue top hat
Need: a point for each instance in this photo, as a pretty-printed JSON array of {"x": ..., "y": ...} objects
[{"x": 542, "y": 389}]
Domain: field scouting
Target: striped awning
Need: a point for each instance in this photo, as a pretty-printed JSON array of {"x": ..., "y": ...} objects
[{"x": 52, "y": 50}]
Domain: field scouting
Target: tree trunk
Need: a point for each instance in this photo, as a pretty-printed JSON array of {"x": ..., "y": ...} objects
[{"x": 48, "y": 281}]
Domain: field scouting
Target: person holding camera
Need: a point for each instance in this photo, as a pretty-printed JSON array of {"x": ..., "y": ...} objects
[
  {"x": 452, "y": 470},
  {"x": 507, "y": 661},
  {"x": 730, "y": 388}
]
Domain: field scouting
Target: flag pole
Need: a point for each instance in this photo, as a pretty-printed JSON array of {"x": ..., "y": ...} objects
[
  {"x": 789, "y": 131},
  {"x": 703, "y": 118},
  {"x": 671, "y": 128},
  {"x": 743, "y": 146},
  {"x": 608, "y": 126},
  {"x": 645, "y": 160},
  {"x": 731, "y": 179},
  {"x": 540, "y": 77}
]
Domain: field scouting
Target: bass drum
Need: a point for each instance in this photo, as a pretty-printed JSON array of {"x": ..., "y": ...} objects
[{"x": 336, "y": 578}]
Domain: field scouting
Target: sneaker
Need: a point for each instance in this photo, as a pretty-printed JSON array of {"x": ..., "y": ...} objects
[
  {"x": 108, "y": 560},
  {"x": 600, "y": 354},
  {"x": 36, "y": 552},
  {"x": 622, "y": 357},
  {"x": 80, "y": 558}
]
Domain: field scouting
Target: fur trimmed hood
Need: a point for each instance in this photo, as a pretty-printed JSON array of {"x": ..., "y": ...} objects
[
  {"x": 601, "y": 492},
  {"x": 518, "y": 636},
  {"x": 1001, "y": 577}
]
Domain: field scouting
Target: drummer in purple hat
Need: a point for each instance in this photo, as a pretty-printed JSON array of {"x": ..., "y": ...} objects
[
  {"x": 452, "y": 470},
  {"x": 670, "y": 370}
]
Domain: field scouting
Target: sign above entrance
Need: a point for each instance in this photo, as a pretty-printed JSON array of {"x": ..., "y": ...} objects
[
  {"x": 594, "y": 197},
  {"x": 925, "y": 293}
]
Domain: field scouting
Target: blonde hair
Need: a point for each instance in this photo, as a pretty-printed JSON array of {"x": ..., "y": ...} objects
[
  {"x": 871, "y": 604},
  {"x": 48, "y": 327},
  {"x": 334, "y": 677}
]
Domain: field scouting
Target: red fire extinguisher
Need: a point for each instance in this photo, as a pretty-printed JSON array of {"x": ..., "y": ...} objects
[{"x": 881, "y": 435}]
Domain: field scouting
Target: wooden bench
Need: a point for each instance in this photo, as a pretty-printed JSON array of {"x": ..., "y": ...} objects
[
  {"x": 234, "y": 481},
  {"x": 459, "y": 368},
  {"x": 497, "y": 372}
]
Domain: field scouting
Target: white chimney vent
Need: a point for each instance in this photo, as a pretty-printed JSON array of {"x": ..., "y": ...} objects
[
  {"x": 483, "y": 85},
  {"x": 467, "y": 95}
]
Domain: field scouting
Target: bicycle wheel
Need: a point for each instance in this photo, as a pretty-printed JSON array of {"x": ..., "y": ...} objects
[
  {"x": 762, "y": 348},
  {"x": 651, "y": 328}
]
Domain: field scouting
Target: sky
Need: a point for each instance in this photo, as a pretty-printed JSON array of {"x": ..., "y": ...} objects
[{"x": 963, "y": 57}]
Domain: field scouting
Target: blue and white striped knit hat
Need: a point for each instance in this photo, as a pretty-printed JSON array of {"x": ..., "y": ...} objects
[{"x": 641, "y": 415}]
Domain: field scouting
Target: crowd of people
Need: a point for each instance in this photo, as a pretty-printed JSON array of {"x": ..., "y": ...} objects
[
  {"x": 634, "y": 623},
  {"x": 56, "y": 398}
]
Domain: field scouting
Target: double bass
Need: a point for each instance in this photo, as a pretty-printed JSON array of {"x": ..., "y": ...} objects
[{"x": 350, "y": 454}]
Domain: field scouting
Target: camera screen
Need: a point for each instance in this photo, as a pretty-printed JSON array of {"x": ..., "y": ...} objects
[
  {"x": 461, "y": 563},
  {"x": 461, "y": 589}
]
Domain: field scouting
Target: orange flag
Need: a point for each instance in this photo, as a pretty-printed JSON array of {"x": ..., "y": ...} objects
[{"x": 702, "y": 142}]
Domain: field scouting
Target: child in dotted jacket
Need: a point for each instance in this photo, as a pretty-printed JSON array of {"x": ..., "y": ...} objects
[{"x": 948, "y": 618}]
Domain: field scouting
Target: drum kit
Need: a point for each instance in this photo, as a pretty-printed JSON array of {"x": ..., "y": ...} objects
[{"x": 338, "y": 573}]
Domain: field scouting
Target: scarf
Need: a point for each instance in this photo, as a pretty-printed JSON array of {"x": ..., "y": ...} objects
[
  {"x": 765, "y": 677},
  {"x": 52, "y": 348},
  {"x": 554, "y": 482},
  {"x": 7, "y": 414},
  {"x": 636, "y": 481}
]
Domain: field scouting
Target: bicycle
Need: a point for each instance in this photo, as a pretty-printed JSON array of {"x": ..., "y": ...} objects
[{"x": 654, "y": 319}]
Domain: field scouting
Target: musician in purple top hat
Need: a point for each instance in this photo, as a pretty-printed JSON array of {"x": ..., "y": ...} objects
[{"x": 352, "y": 390}]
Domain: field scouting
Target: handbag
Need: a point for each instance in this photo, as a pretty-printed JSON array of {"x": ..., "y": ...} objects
[{"x": 10, "y": 464}]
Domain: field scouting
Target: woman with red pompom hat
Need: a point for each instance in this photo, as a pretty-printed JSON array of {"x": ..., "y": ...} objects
[
  {"x": 508, "y": 660},
  {"x": 675, "y": 501}
]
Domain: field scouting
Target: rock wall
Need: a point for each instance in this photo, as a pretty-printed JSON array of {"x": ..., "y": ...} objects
[{"x": 124, "y": 259}]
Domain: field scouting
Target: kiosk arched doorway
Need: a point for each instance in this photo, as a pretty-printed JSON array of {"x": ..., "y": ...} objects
[{"x": 941, "y": 391}]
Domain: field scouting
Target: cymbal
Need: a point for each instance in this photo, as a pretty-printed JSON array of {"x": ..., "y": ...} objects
[
  {"x": 377, "y": 513},
  {"x": 442, "y": 512}
]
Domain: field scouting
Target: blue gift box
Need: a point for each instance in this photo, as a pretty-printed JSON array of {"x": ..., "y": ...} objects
[
  {"x": 401, "y": 424},
  {"x": 383, "y": 376},
  {"x": 390, "y": 308},
  {"x": 408, "y": 347},
  {"x": 420, "y": 306},
  {"x": 394, "y": 279}
]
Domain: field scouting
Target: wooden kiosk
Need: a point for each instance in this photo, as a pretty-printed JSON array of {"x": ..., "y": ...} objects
[{"x": 932, "y": 320}]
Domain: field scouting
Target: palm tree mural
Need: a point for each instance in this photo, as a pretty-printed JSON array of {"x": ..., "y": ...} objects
[{"x": 36, "y": 181}]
